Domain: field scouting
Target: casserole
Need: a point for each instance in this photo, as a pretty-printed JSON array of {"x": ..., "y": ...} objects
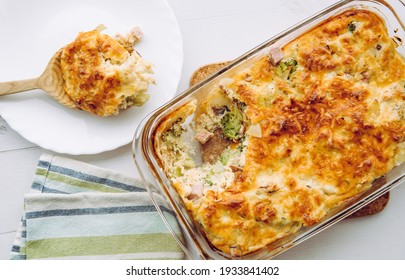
[
  {"x": 115, "y": 76},
  {"x": 255, "y": 115}
]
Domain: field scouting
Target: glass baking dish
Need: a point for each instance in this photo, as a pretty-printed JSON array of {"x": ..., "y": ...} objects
[{"x": 193, "y": 241}]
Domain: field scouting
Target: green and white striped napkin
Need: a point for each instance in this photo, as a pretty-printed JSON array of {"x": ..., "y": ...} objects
[{"x": 80, "y": 211}]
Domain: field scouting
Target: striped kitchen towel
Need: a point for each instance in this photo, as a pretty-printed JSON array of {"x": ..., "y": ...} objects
[{"x": 80, "y": 211}]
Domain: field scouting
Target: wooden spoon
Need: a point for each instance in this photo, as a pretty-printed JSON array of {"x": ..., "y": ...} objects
[{"x": 50, "y": 81}]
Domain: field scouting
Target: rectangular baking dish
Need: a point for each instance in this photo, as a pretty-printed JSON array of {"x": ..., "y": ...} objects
[{"x": 193, "y": 242}]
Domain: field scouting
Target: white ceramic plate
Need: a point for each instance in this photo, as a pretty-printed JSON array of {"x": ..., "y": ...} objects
[{"x": 32, "y": 31}]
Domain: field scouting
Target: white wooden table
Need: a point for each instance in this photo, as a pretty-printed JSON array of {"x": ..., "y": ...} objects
[{"x": 216, "y": 30}]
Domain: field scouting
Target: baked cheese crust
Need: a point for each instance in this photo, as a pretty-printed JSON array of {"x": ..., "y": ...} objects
[
  {"x": 304, "y": 135},
  {"x": 103, "y": 75}
]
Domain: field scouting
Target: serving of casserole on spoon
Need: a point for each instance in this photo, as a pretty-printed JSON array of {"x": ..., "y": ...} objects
[{"x": 95, "y": 73}]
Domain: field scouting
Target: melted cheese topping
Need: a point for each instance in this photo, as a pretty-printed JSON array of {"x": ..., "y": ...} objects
[
  {"x": 324, "y": 122},
  {"x": 103, "y": 75}
]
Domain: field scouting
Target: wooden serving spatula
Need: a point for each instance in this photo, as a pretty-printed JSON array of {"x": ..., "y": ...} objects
[{"x": 51, "y": 81}]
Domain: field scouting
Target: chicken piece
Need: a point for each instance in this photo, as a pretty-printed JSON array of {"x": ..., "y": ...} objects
[
  {"x": 276, "y": 55},
  {"x": 196, "y": 192},
  {"x": 130, "y": 39},
  {"x": 203, "y": 136}
]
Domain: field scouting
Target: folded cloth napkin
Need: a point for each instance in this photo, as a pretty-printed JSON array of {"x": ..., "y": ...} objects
[{"x": 80, "y": 211}]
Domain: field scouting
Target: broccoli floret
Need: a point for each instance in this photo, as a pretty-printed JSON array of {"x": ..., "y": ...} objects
[
  {"x": 177, "y": 129},
  {"x": 351, "y": 26},
  {"x": 231, "y": 124},
  {"x": 225, "y": 156},
  {"x": 287, "y": 67}
]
